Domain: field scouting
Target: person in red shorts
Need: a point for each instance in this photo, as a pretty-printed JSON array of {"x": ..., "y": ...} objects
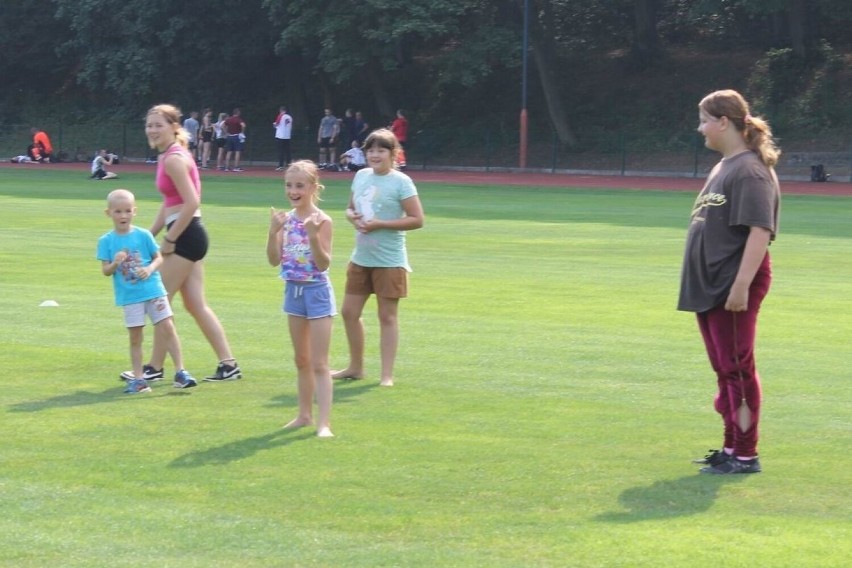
[{"x": 726, "y": 269}]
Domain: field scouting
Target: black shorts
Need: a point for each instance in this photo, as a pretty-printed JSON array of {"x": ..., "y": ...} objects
[
  {"x": 193, "y": 242},
  {"x": 206, "y": 136},
  {"x": 326, "y": 143},
  {"x": 220, "y": 142},
  {"x": 99, "y": 174}
]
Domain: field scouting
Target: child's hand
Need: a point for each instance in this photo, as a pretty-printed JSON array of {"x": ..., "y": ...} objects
[
  {"x": 143, "y": 272},
  {"x": 276, "y": 220},
  {"x": 313, "y": 223},
  {"x": 120, "y": 256}
]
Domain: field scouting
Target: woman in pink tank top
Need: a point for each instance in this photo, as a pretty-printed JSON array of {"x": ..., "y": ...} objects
[{"x": 185, "y": 241}]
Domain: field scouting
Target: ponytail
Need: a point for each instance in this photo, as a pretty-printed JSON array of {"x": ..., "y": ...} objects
[{"x": 755, "y": 130}]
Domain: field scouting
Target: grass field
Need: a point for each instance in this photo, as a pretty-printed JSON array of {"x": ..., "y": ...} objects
[{"x": 549, "y": 397}]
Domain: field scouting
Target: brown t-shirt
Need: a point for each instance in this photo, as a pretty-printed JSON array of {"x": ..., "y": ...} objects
[{"x": 741, "y": 192}]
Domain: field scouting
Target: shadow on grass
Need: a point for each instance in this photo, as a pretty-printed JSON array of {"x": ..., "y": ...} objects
[
  {"x": 241, "y": 449},
  {"x": 343, "y": 392},
  {"x": 86, "y": 398},
  {"x": 666, "y": 499}
]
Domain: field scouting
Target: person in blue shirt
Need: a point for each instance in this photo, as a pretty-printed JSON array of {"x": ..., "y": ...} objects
[{"x": 132, "y": 257}]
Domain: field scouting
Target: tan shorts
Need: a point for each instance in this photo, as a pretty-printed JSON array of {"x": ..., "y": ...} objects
[{"x": 384, "y": 282}]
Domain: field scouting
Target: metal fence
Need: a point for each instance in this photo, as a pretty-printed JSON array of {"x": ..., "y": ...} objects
[{"x": 490, "y": 148}]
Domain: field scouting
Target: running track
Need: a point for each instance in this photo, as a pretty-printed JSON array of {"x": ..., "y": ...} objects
[{"x": 532, "y": 179}]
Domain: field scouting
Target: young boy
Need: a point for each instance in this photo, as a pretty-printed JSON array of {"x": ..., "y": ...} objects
[
  {"x": 131, "y": 256},
  {"x": 99, "y": 166}
]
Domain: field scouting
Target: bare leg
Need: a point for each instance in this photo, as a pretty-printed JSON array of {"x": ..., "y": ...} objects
[
  {"x": 181, "y": 274},
  {"x": 136, "y": 337},
  {"x": 353, "y": 306},
  {"x": 165, "y": 334},
  {"x": 320, "y": 337},
  {"x": 300, "y": 336},
  {"x": 389, "y": 342}
]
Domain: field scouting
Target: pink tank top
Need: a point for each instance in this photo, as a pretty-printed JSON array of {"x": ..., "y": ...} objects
[{"x": 166, "y": 186}]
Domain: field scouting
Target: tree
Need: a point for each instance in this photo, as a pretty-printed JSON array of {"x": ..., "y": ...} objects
[{"x": 141, "y": 51}]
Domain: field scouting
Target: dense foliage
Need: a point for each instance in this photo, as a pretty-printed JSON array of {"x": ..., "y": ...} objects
[{"x": 453, "y": 64}]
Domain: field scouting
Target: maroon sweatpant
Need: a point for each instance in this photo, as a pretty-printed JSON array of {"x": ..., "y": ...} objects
[{"x": 729, "y": 338}]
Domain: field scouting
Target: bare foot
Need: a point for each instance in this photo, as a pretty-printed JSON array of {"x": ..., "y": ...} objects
[
  {"x": 346, "y": 375},
  {"x": 298, "y": 423},
  {"x": 324, "y": 432},
  {"x": 386, "y": 382}
]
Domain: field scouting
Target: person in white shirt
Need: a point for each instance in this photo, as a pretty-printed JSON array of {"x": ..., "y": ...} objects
[
  {"x": 283, "y": 131},
  {"x": 353, "y": 159}
]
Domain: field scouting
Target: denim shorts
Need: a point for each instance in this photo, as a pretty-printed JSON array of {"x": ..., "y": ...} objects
[{"x": 310, "y": 300}]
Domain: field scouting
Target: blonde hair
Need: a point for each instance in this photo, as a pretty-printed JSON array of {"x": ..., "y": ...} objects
[
  {"x": 383, "y": 138},
  {"x": 172, "y": 115},
  {"x": 755, "y": 130},
  {"x": 120, "y": 195},
  {"x": 310, "y": 170}
]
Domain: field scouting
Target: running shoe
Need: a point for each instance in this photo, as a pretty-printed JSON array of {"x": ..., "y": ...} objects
[
  {"x": 135, "y": 386},
  {"x": 183, "y": 380},
  {"x": 734, "y": 465},
  {"x": 714, "y": 458},
  {"x": 149, "y": 373},
  {"x": 225, "y": 372}
]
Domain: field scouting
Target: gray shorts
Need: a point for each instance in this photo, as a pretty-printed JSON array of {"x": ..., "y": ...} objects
[{"x": 157, "y": 309}]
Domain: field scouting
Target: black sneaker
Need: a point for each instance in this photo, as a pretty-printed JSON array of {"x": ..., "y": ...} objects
[
  {"x": 149, "y": 373},
  {"x": 734, "y": 465},
  {"x": 714, "y": 458},
  {"x": 225, "y": 372}
]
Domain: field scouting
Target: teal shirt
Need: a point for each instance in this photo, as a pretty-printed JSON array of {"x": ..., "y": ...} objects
[
  {"x": 141, "y": 248},
  {"x": 381, "y": 197}
]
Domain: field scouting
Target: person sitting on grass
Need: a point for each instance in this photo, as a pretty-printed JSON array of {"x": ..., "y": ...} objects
[
  {"x": 353, "y": 159},
  {"x": 101, "y": 160}
]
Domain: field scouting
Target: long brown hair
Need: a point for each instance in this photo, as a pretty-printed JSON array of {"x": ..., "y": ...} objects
[{"x": 755, "y": 130}]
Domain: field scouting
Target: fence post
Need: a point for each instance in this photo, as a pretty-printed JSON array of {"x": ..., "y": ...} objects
[
  {"x": 623, "y": 152},
  {"x": 488, "y": 149},
  {"x": 697, "y": 147},
  {"x": 554, "y": 145}
]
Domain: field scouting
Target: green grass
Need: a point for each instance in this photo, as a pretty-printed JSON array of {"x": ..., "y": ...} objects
[{"x": 548, "y": 399}]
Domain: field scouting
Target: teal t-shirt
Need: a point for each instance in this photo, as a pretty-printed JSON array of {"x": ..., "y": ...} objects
[
  {"x": 381, "y": 197},
  {"x": 140, "y": 247}
]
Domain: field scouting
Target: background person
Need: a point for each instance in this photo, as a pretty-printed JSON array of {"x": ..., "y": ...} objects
[
  {"x": 329, "y": 129},
  {"x": 99, "y": 163},
  {"x": 353, "y": 159},
  {"x": 42, "y": 149},
  {"x": 283, "y": 125},
  {"x": 206, "y": 132},
  {"x": 235, "y": 130}
]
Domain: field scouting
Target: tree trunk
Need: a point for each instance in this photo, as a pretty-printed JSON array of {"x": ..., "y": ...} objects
[
  {"x": 645, "y": 42},
  {"x": 383, "y": 103},
  {"x": 544, "y": 54},
  {"x": 797, "y": 20}
]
